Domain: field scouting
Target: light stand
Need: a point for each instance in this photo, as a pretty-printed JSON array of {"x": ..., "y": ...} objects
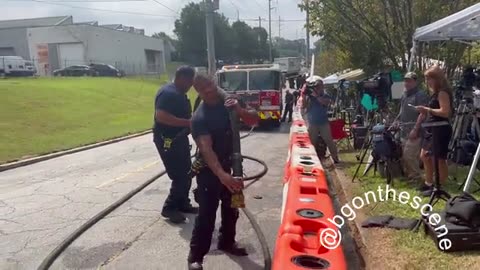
[{"x": 473, "y": 168}]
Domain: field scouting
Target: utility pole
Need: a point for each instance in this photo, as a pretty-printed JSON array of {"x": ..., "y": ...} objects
[
  {"x": 279, "y": 25},
  {"x": 270, "y": 28},
  {"x": 238, "y": 15},
  {"x": 210, "y": 8},
  {"x": 307, "y": 48},
  {"x": 259, "y": 22}
]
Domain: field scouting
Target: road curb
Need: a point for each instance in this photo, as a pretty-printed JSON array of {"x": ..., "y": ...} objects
[
  {"x": 355, "y": 226},
  {"x": 29, "y": 161}
]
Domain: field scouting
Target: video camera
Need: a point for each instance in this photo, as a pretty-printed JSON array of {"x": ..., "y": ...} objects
[
  {"x": 379, "y": 87},
  {"x": 309, "y": 88}
]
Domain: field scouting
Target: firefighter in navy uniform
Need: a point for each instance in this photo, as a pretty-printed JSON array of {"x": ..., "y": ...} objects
[
  {"x": 212, "y": 132},
  {"x": 170, "y": 134}
]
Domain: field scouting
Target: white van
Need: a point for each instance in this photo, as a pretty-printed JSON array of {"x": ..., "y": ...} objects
[{"x": 16, "y": 66}]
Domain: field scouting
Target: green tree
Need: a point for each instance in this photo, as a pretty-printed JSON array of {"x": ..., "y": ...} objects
[
  {"x": 290, "y": 48},
  {"x": 378, "y": 33},
  {"x": 236, "y": 42},
  {"x": 261, "y": 48},
  {"x": 191, "y": 34},
  {"x": 244, "y": 42}
]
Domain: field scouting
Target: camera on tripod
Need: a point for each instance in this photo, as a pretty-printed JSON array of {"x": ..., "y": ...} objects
[{"x": 378, "y": 87}]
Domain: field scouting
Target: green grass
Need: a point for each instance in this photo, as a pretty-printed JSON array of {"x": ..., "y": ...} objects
[
  {"x": 420, "y": 251},
  {"x": 43, "y": 115}
]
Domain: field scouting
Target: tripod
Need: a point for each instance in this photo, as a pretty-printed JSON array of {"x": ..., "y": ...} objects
[
  {"x": 466, "y": 184},
  {"x": 460, "y": 124},
  {"x": 365, "y": 148},
  {"x": 438, "y": 193},
  {"x": 462, "y": 119}
]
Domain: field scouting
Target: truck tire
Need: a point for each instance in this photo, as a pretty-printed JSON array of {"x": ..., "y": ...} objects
[{"x": 275, "y": 123}]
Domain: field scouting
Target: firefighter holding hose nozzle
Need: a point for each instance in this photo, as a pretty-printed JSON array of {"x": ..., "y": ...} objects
[{"x": 212, "y": 132}]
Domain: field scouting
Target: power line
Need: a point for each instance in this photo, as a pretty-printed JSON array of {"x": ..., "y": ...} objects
[
  {"x": 102, "y": 10},
  {"x": 273, "y": 20},
  {"x": 256, "y": 1},
  {"x": 163, "y": 5},
  {"x": 236, "y": 7},
  {"x": 82, "y": 1}
]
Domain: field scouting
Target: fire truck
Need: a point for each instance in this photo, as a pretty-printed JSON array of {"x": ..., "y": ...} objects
[{"x": 256, "y": 86}]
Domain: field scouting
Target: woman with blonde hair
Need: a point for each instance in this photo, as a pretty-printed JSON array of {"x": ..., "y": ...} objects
[{"x": 439, "y": 109}]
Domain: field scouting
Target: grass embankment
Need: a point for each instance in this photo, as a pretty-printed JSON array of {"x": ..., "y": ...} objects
[
  {"x": 411, "y": 250},
  {"x": 49, "y": 114}
]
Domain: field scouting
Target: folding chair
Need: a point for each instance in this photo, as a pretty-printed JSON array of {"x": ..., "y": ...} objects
[{"x": 339, "y": 134}]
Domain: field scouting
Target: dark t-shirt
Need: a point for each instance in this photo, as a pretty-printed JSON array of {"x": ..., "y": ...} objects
[
  {"x": 214, "y": 120},
  {"x": 170, "y": 100},
  {"x": 317, "y": 112}
]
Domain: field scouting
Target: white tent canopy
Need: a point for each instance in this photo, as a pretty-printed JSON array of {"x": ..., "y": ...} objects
[
  {"x": 461, "y": 26},
  {"x": 332, "y": 79}
]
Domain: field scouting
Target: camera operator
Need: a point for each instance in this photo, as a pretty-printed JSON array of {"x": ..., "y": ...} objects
[
  {"x": 411, "y": 141},
  {"x": 316, "y": 108},
  {"x": 439, "y": 109}
]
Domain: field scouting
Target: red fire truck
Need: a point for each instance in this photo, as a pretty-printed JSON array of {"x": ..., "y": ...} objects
[{"x": 256, "y": 86}]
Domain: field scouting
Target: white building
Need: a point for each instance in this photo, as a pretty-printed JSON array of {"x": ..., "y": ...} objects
[{"x": 57, "y": 42}]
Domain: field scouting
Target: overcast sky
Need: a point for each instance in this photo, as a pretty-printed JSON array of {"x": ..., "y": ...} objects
[{"x": 152, "y": 16}]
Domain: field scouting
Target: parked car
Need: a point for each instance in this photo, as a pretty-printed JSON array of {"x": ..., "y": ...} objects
[
  {"x": 30, "y": 68},
  {"x": 106, "y": 70},
  {"x": 16, "y": 66},
  {"x": 78, "y": 70}
]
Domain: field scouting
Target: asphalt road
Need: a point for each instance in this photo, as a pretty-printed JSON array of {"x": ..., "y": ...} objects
[{"x": 43, "y": 203}]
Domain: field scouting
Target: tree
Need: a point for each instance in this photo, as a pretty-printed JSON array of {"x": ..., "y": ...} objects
[
  {"x": 190, "y": 31},
  {"x": 261, "y": 49},
  {"x": 245, "y": 41},
  {"x": 378, "y": 33},
  {"x": 290, "y": 48},
  {"x": 329, "y": 59},
  {"x": 236, "y": 42}
]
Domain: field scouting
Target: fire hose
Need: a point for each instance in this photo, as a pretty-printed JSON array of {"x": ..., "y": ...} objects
[{"x": 54, "y": 254}]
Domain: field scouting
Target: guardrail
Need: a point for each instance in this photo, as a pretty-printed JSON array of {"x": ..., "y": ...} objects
[{"x": 306, "y": 207}]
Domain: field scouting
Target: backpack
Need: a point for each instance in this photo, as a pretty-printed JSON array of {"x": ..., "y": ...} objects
[{"x": 463, "y": 210}]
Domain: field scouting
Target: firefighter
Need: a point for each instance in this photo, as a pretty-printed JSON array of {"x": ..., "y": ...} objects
[
  {"x": 289, "y": 99},
  {"x": 170, "y": 135},
  {"x": 212, "y": 132}
]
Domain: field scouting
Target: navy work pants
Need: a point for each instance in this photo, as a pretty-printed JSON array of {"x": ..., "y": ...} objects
[
  {"x": 177, "y": 163},
  {"x": 210, "y": 192},
  {"x": 288, "y": 110}
]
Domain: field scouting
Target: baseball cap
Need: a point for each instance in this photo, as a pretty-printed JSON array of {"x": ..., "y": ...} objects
[{"x": 410, "y": 75}]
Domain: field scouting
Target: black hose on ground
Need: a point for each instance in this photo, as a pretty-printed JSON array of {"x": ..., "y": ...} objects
[
  {"x": 267, "y": 257},
  {"x": 50, "y": 259}
]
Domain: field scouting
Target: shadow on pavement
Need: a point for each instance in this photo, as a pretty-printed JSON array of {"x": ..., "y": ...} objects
[{"x": 245, "y": 262}]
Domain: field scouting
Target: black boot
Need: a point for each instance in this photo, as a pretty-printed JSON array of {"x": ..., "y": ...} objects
[
  {"x": 189, "y": 209},
  {"x": 195, "y": 266},
  {"x": 233, "y": 249},
  {"x": 174, "y": 216}
]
